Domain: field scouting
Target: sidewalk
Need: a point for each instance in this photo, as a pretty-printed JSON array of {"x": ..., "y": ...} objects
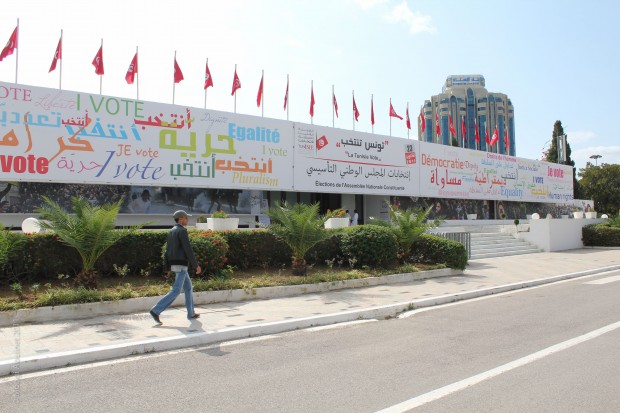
[{"x": 43, "y": 345}]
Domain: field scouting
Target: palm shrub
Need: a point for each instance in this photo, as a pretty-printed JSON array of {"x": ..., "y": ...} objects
[
  {"x": 300, "y": 227},
  {"x": 370, "y": 245},
  {"x": 408, "y": 226},
  {"x": 90, "y": 231},
  {"x": 10, "y": 248}
]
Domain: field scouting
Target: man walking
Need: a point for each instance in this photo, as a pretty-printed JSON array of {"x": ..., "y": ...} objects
[{"x": 178, "y": 258}]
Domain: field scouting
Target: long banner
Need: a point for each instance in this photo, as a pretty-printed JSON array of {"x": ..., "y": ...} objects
[
  {"x": 62, "y": 136},
  {"x": 48, "y": 135}
]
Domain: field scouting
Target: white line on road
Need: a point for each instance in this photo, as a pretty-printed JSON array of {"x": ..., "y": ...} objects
[
  {"x": 605, "y": 280},
  {"x": 463, "y": 384}
]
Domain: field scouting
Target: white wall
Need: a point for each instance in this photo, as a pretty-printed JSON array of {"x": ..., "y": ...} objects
[{"x": 556, "y": 234}]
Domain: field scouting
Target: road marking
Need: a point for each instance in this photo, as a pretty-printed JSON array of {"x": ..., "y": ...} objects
[
  {"x": 606, "y": 280},
  {"x": 470, "y": 381}
]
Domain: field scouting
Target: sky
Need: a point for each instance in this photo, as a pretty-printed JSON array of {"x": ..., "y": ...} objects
[{"x": 555, "y": 60}]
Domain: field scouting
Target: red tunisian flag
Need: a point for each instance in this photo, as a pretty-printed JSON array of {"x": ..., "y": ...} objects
[
  {"x": 506, "y": 140},
  {"x": 10, "y": 47},
  {"x": 393, "y": 113},
  {"x": 463, "y": 130},
  {"x": 451, "y": 125},
  {"x": 178, "y": 75},
  {"x": 208, "y": 78},
  {"x": 98, "y": 61},
  {"x": 356, "y": 112},
  {"x": 407, "y": 117},
  {"x": 372, "y": 112},
  {"x": 437, "y": 126},
  {"x": 335, "y": 104},
  {"x": 422, "y": 122},
  {"x": 476, "y": 130},
  {"x": 259, "y": 96},
  {"x": 486, "y": 138},
  {"x": 495, "y": 136},
  {"x": 57, "y": 55},
  {"x": 236, "y": 83},
  {"x": 286, "y": 94},
  {"x": 312, "y": 101},
  {"x": 132, "y": 70}
]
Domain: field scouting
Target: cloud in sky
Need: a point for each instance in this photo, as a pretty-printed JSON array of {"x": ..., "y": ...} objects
[
  {"x": 417, "y": 22},
  {"x": 610, "y": 154}
]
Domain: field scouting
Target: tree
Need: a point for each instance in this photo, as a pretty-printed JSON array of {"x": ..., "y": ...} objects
[
  {"x": 90, "y": 231},
  {"x": 407, "y": 225},
  {"x": 602, "y": 185},
  {"x": 300, "y": 227},
  {"x": 551, "y": 154}
]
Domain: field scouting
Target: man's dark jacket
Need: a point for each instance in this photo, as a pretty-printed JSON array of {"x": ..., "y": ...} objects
[{"x": 178, "y": 250}]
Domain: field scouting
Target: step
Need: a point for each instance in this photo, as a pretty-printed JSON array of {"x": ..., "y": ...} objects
[{"x": 503, "y": 254}]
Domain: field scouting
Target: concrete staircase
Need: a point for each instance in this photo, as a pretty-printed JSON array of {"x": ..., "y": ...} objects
[{"x": 498, "y": 244}]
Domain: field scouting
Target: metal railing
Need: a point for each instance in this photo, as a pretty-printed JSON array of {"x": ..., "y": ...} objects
[{"x": 462, "y": 237}]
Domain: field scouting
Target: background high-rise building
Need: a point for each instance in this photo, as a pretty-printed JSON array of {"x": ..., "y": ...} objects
[{"x": 465, "y": 99}]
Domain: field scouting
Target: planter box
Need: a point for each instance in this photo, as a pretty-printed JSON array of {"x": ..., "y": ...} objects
[
  {"x": 203, "y": 226},
  {"x": 337, "y": 223},
  {"x": 222, "y": 224},
  {"x": 591, "y": 215},
  {"x": 578, "y": 214},
  {"x": 472, "y": 216}
]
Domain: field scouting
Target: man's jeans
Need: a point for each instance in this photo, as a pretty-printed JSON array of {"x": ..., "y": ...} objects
[{"x": 182, "y": 281}]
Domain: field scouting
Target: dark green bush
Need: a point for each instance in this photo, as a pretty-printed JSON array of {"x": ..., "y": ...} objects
[
  {"x": 255, "y": 249},
  {"x": 370, "y": 245},
  {"x": 601, "y": 235},
  {"x": 431, "y": 249},
  {"x": 140, "y": 251},
  {"x": 328, "y": 249},
  {"x": 45, "y": 257}
]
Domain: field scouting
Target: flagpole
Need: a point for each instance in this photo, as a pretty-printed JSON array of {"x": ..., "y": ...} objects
[
  {"x": 408, "y": 119},
  {"x": 262, "y": 92},
  {"x": 17, "y": 51},
  {"x": 333, "y": 108},
  {"x": 173, "y": 81},
  {"x": 353, "y": 96},
  {"x": 390, "y": 118},
  {"x": 206, "y": 65},
  {"x": 60, "y": 72},
  {"x": 137, "y": 76},
  {"x": 311, "y": 96},
  {"x": 235, "y": 90},
  {"x": 372, "y": 109},
  {"x": 101, "y": 76},
  {"x": 288, "y": 100}
]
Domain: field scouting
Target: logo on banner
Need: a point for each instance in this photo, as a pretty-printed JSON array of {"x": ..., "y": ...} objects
[
  {"x": 409, "y": 155},
  {"x": 321, "y": 142}
]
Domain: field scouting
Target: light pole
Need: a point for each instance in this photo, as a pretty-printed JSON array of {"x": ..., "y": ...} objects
[{"x": 596, "y": 158}]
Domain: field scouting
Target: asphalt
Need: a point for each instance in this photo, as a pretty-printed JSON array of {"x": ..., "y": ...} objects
[{"x": 56, "y": 337}]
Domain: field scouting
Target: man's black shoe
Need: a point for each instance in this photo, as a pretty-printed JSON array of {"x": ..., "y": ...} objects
[
  {"x": 196, "y": 315},
  {"x": 155, "y": 317}
]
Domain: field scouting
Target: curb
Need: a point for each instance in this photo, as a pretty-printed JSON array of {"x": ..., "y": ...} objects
[
  {"x": 144, "y": 304},
  {"x": 63, "y": 359}
]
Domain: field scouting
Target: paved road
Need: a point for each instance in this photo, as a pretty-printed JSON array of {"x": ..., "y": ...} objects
[{"x": 373, "y": 365}]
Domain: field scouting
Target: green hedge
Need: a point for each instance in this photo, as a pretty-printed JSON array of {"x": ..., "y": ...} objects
[
  {"x": 370, "y": 245},
  {"x": 256, "y": 249},
  {"x": 431, "y": 249},
  {"x": 601, "y": 235},
  {"x": 43, "y": 257}
]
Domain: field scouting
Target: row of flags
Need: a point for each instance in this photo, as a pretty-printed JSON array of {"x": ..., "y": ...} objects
[
  {"x": 132, "y": 71},
  {"x": 133, "y": 68},
  {"x": 489, "y": 140}
]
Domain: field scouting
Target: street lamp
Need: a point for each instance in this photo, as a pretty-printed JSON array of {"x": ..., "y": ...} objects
[{"x": 596, "y": 158}]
